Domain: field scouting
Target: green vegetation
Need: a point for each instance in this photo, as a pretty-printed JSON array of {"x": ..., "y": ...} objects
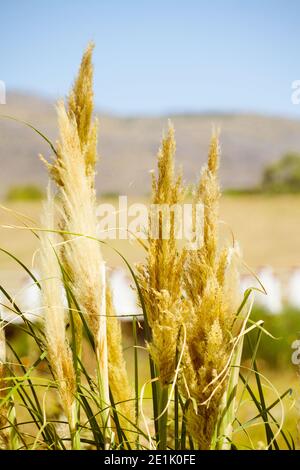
[
  {"x": 27, "y": 192},
  {"x": 242, "y": 191},
  {"x": 110, "y": 195},
  {"x": 276, "y": 353},
  {"x": 283, "y": 176}
]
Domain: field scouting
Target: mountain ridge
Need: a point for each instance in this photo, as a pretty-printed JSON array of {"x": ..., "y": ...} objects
[{"x": 128, "y": 145}]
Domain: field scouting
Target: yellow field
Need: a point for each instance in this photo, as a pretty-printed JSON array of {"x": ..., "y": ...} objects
[{"x": 268, "y": 229}]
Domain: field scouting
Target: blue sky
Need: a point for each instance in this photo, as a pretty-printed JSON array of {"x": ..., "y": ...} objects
[{"x": 157, "y": 56}]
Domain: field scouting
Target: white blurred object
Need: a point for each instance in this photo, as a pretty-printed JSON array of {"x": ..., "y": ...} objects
[
  {"x": 28, "y": 300},
  {"x": 124, "y": 298},
  {"x": 273, "y": 300},
  {"x": 293, "y": 288}
]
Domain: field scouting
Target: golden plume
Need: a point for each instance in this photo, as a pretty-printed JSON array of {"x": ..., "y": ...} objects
[{"x": 211, "y": 283}]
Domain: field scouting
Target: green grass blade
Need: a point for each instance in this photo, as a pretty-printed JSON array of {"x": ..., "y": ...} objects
[{"x": 12, "y": 118}]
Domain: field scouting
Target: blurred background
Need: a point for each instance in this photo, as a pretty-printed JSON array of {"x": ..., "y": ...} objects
[{"x": 231, "y": 64}]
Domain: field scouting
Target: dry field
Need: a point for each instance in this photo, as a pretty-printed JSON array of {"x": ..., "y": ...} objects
[{"x": 267, "y": 228}]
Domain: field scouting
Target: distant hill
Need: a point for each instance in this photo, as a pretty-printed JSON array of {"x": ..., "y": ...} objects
[{"x": 128, "y": 145}]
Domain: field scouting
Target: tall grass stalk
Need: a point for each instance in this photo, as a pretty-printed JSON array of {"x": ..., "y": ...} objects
[
  {"x": 194, "y": 376},
  {"x": 4, "y": 408},
  {"x": 8, "y": 419},
  {"x": 102, "y": 364},
  {"x": 59, "y": 352}
]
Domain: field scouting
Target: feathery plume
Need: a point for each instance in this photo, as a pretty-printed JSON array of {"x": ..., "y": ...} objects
[
  {"x": 81, "y": 99},
  {"x": 118, "y": 378},
  {"x": 59, "y": 353},
  {"x": 82, "y": 255},
  {"x": 73, "y": 170},
  {"x": 211, "y": 283},
  {"x": 160, "y": 276}
]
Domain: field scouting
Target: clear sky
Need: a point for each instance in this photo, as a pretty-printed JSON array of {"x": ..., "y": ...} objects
[{"x": 157, "y": 56}]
